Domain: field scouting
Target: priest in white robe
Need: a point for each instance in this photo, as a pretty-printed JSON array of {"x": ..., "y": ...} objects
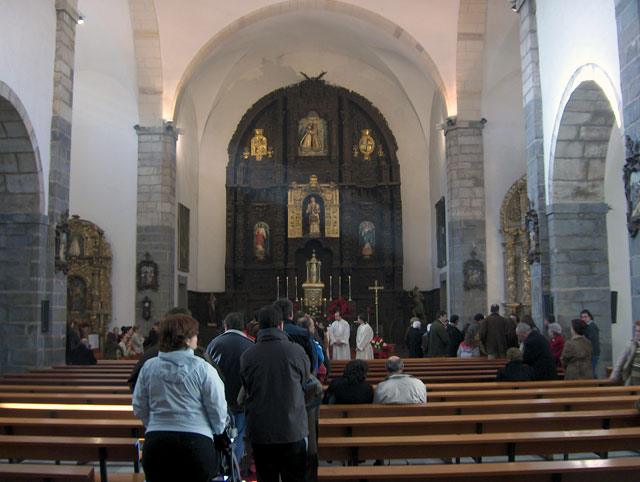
[
  {"x": 364, "y": 350},
  {"x": 339, "y": 338}
]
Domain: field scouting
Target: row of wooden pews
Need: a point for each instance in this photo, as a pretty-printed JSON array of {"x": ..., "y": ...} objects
[
  {"x": 75, "y": 414},
  {"x": 464, "y": 422}
]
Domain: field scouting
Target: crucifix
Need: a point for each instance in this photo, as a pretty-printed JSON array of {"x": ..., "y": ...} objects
[{"x": 375, "y": 289}]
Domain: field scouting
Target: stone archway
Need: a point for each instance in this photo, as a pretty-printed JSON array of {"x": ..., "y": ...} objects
[
  {"x": 23, "y": 238},
  {"x": 577, "y": 212}
]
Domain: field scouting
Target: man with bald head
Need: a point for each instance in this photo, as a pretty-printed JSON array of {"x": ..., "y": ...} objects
[{"x": 399, "y": 387}]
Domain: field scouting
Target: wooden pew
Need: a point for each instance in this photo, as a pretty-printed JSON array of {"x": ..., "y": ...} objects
[
  {"x": 122, "y": 389},
  {"x": 611, "y": 470},
  {"x": 62, "y": 410},
  {"x": 485, "y": 423},
  {"x": 496, "y": 394},
  {"x": 46, "y": 472},
  {"x": 85, "y": 398},
  {"x": 102, "y": 449},
  {"x": 479, "y": 407},
  {"x": 73, "y": 427},
  {"x": 434, "y": 387},
  {"x": 506, "y": 444},
  {"x": 62, "y": 380},
  {"x": 63, "y": 374}
]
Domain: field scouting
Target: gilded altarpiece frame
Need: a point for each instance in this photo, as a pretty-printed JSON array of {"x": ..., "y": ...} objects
[
  {"x": 517, "y": 271},
  {"x": 329, "y": 194},
  {"x": 89, "y": 290}
]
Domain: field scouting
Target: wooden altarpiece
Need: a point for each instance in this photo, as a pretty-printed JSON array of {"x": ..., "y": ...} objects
[
  {"x": 89, "y": 277},
  {"x": 313, "y": 167}
]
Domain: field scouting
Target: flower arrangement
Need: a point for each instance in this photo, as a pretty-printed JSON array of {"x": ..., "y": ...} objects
[
  {"x": 341, "y": 305},
  {"x": 380, "y": 348}
]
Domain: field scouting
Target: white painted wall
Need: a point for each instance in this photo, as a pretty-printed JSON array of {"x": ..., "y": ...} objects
[
  {"x": 572, "y": 33},
  {"x": 104, "y": 145},
  {"x": 430, "y": 23},
  {"x": 187, "y": 186},
  {"x": 617, "y": 235},
  {"x": 503, "y": 135},
  {"x": 27, "y": 48}
]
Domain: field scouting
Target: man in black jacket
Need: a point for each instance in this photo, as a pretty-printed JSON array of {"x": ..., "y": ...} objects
[
  {"x": 225, "y": 350},
  {"x": 536, "y": 352},
  {"x": 273, "y": 373}
]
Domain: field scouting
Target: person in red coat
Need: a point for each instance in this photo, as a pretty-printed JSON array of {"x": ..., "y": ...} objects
[{"x": 557, "y": 342}]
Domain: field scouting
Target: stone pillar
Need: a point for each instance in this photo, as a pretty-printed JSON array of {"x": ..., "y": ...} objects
[
  {"x": 532, "y": 100},
  {"x": 156, "y": 215},
  {"x": 51, "y": 349},
  {"x": 580, "y": 267},
  {"x": 628, "y": 20},
  {"x": 465, "y": 214}
]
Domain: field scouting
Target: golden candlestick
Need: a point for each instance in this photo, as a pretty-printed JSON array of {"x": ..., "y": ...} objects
[{"x": 375, "y": 289}]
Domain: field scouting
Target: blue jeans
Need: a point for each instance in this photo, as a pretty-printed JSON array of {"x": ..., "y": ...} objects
[
  {"x": 594, "y": 364},
  {"x": 240, "y": 423}
]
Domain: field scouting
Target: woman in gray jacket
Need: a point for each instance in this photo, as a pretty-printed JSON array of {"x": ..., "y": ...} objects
[{"x": 627, "y": 369}]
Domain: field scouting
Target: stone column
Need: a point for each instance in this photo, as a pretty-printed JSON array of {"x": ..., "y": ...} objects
[
  {"x": 532, "y": 100},
  {"x": 465, "y": 214},
  {"x": 156, "y": 215},
  {"x": 52, "y": 345},
  {"x": 628, "y": 20},
  {"x": 580, "y": 266}
]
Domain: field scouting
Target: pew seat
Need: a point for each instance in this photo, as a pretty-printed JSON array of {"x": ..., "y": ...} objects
[
  {"x": 611, "y": 470},
  {"x": 45, "y": 472}
]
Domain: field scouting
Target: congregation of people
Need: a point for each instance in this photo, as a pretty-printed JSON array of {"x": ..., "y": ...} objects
[{"x": 261, "y": 379}]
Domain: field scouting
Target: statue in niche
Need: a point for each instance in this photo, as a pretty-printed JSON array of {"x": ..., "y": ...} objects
[
  {"x": 261, "y": 240},
  {"x": 312, "y": 134},
  {"x": 75, "y": 248},
  {"x": 76, "y": 294},
  {"x": 313, "y": 212},
  {"x": 367, "y": 232}
]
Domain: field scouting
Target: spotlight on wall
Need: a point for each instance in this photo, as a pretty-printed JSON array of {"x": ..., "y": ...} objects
[
  {"x": 451, "y": 121},
  {"x": 80, "y": 20},
  {"x": 483, "y": 121},
  {"x": 514, "y": 5}
]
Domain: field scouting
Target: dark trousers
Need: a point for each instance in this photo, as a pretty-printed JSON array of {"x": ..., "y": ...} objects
[
  {"x": 280, "y": 460},
  {"x": 173, "y": 456}
]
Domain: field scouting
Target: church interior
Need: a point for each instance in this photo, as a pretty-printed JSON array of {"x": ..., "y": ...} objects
[{"x": 201, "y": 153}]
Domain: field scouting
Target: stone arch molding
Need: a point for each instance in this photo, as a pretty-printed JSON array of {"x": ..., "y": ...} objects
[
  {"x": 378, "y": 21},
  {"x": 589, "y": 106},
  {"x": 22, "y": 188}
]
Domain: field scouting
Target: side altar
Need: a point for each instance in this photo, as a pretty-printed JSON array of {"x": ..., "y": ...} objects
[{"x": 313, "y": 175}]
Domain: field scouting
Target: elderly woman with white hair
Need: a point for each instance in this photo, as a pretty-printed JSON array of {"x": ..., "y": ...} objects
[
  {"x": 557, "y": 342},
  {"x": 414, "y": 338}
]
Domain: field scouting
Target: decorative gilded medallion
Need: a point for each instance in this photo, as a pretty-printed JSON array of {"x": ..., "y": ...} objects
[
  {"x": 366, "y": 144},
  {"x": 259, "y": 145}
]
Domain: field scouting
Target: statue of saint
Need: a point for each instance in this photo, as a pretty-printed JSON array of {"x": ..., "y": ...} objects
[{"x": 313, "y": 211}]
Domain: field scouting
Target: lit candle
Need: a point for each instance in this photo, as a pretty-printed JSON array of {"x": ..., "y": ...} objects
[
  {"x": 287, "y": 288},
  {"x": 330, "y": 287},
  {"x": 339, "y": 286},
  {"x": 296, "y": 283},
  {"x": 349, "y": 287},
  {"x": 277, "y": 287}
]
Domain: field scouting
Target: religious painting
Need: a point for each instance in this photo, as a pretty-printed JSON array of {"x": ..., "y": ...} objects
[
  {"x": 474, "y": 273},
  {"x": 76, "y": 294},
  {"x": 147, "y": 274},
  {"x": 631, "y": 178},
  {"x": 183, "y": 237},
  {"x": 62, "y": 244},
  {"x": 441, "y": 233},
  {"x": 261, "y": 240},
  {"x": 532, "y": 227},
  {"x": 313, "y": 212},
  {"x": 312, "y": 136},
  {"x": 367, "y": 234}
]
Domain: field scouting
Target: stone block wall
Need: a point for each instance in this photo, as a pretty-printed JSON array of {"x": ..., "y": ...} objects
[{"x": 580, "y": 267}]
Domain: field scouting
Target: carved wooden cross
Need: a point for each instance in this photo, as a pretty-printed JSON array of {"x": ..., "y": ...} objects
[{"x": 375, "y": 289}]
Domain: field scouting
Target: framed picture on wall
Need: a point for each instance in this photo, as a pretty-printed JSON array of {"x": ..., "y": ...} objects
[{"x": 183, "y": 238}]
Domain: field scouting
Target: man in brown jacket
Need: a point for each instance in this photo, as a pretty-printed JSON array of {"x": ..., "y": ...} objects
[{"x": 496, "y": 334}]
